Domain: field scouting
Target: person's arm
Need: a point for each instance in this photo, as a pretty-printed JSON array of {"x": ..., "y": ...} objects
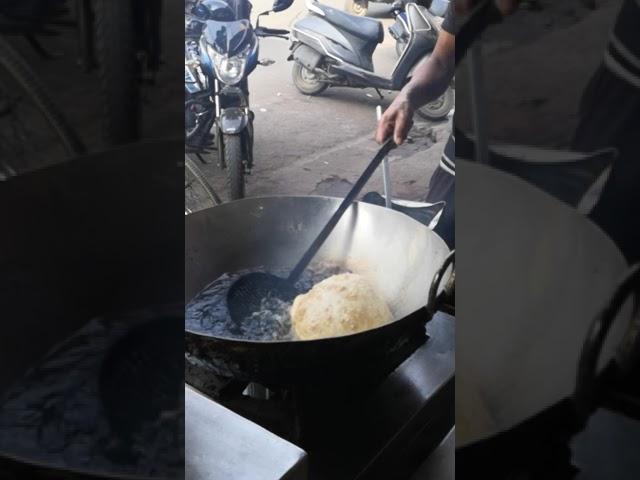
[
  {"x": 430, "y": 79},
  {"x": 432, "y": 76}
]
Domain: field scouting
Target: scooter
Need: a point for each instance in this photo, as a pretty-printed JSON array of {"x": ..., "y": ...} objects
[
  {"x": 399, "y": 31},
  {"x": 332, "y": 48}
]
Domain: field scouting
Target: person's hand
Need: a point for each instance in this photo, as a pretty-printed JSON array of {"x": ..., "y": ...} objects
[
  {"x": 396, "y": 121},
  {"x": 463, "y": 7}
]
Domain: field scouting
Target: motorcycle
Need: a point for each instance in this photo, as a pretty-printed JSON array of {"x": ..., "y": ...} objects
[
  {"x": 221, "y": 51},
  {"x": 332, "y": 48}
]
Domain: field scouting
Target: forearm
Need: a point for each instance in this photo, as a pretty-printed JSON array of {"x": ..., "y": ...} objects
[{"x": 430, "y": 79}]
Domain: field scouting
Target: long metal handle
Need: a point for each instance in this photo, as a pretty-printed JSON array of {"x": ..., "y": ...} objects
[
  {"x": 346, "y": 203},
  {"x": 386, "y": 180},
  {"x": 386, "y": 175},
  {"x": 485, "y": 14},
  {"x": 478, "y": 104}
]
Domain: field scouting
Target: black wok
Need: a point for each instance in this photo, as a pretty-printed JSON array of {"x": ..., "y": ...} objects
[
  {"x": 95, "y": 237},
  {"x": 398, "y": 255}
]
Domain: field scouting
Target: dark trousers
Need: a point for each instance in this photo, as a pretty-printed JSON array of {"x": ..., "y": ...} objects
[{"x": 442, "y": 188}]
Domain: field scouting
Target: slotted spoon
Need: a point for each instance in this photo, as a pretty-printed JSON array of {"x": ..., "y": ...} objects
[{"x": 255, "y": 291}]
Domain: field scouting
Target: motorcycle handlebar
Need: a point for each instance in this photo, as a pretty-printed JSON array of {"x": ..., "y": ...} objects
[{"x": 265, "y": 31}]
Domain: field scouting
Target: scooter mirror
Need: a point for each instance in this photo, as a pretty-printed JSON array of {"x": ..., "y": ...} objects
[{"x": 280, "y": 5}]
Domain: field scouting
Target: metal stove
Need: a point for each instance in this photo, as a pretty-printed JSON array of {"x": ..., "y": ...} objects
[{"x": 385, "y": 431}]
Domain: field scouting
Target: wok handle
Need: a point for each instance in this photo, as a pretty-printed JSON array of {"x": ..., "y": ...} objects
[
  {"x": 444, "y": 301},
  {"x": 587, "y": 381}
]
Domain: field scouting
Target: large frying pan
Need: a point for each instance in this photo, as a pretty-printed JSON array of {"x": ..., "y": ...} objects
[
  {"x": 536, "y": 273},
  {"x": 397, "y": 254},
  {"x": 94, "y": 237}
]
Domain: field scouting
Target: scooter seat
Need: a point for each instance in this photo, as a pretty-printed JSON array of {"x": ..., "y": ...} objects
[{"x": 362, "y": 27}]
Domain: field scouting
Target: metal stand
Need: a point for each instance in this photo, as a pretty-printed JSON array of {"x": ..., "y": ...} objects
[
  {"x": 386, "y": 175},
  {"x": 478, "y": 103}
]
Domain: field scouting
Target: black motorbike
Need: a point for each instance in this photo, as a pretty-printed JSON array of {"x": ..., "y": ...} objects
[
  {"x": 221, "y": 50},
  {"x": 332, "y": 48}
]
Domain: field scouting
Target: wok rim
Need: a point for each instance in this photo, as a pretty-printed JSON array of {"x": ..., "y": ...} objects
[
  {"x": 239, "y": 341},
  {"x": 323, "y": 197}
]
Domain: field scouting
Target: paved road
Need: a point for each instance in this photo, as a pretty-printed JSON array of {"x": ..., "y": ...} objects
[{"x": 319, "y": 145}]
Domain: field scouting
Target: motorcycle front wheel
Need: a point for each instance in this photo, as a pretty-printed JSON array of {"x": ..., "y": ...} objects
[
  {"x": 439, "y": 108},
  {"x": 306, "y": 81},
  {"x": 234, "y": 163}
]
